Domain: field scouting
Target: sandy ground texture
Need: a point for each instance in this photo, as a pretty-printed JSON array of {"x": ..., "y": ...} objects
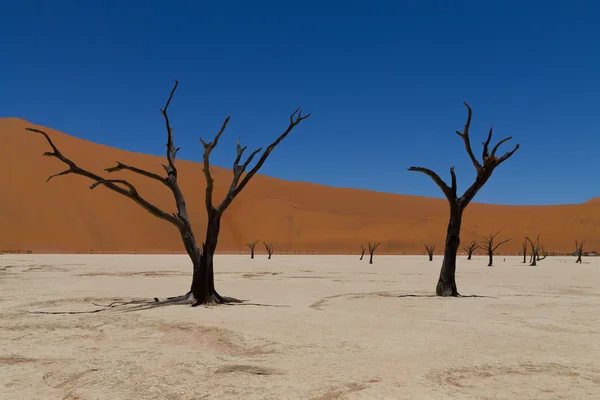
[{"x": 313, "y": 327}]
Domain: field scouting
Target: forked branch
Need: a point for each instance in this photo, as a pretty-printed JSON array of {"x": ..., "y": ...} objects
[
  {"x": 484, "y": 168},
  {"x": 238, "y": 183},
  {"x": 113, "y": 184}
]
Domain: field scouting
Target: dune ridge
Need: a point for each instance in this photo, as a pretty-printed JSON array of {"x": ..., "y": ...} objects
[{"x": 65, "y": 216}]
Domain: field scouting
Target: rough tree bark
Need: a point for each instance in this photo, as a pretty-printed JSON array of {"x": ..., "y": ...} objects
[
  {"x": 524, "y": 249},
  {"x": 372, "y": 247},
  {"x": 269, "y": 248},
  {"x": 470, "y": 249},
  {"x": 535, "y": 250},
  {"x": 446, "y": 285},
  {"x": 491, "y": 247},
  {"x": 430, "y": 250},
  {"x": 203, "y": 286},
  {"x": 579, "y": 250},
  {"x": 251, "y": 246},
  {"x": 362, "y": 251}
]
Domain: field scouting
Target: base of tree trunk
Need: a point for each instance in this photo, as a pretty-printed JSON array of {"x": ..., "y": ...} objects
[
  {"x": 213, "y": 299},
  {"x": 446, "y": 290}
]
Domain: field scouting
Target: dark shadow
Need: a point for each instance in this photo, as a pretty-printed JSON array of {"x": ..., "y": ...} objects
[{"x": 141, "y": 305}]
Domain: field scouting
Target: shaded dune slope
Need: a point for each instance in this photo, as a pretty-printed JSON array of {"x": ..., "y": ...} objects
[{"x": 64, "y": 216}]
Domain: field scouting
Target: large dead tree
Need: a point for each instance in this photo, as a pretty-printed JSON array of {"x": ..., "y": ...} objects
[
  {"x": 489, "y": 245},
  {"x": 524, "y": 247},
  {"x": 430, "y": 250},
  {"x": 536, "y": 248},
  {"x": 269, "y": 249},
  {"x": 372, "y": 247},
  {"x": 470, "y": 249},
  {"x": 446, "y": 285},
  {"x": 203, "y": 286},
  {"x": 251, "y": 246},
  {"x": 362, "y": 251},
  {"x": 579, "y": 250}
]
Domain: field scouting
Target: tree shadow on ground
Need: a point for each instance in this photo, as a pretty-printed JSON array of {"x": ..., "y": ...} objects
[{"x": 142, "y": 305}]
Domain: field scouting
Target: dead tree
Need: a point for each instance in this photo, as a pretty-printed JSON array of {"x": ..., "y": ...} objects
[
  {"x": 269, "y": 248},
  {"x": 470, "y": 249},
  {"x": 446, "y": 285},
  {"x": 524, "y": 247},
  {"x": 203, "y": 287},
  {"x": 430, "y": 250},
  {"x": 491, "y": 247},
  {"x": 362, "y": 251},
  {"x": 536, "y": 248},
  {"x": 372, "y": 247},
  {"x": 251, "y": 246},
  {"x": 579, "y": 250}
]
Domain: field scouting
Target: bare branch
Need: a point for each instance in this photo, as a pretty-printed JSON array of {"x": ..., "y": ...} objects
[
  {"x": 111, "y": 184},
  {"x": 210, "y": 182},
  {"x": 486, "y": 153},
  {"x": 236, "y": 187},
  {"x": 499, "y": 244},
  {"x": 506, "y": 156},
  {"x": 465, "y": 136},
  {"x": 436, "y": 178},
  {"x": 120, "y": 166},
  {"x": 171, "y": 149}
]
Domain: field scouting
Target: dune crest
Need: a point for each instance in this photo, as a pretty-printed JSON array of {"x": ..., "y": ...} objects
[{"x": 64, "y": 216}]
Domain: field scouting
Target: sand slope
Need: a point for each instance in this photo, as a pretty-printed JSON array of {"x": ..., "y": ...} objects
[
  {"x": 321, "y": 328},
  {"x": 65, "y": 216}
]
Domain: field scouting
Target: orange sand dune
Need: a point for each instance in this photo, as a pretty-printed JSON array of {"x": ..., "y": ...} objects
[{"x": 64, "y": 215}]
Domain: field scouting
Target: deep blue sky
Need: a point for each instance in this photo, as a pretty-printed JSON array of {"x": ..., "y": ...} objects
[{"x": 385, "y": 82}]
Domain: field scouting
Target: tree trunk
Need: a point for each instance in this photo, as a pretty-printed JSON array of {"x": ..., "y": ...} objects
[
  {"x": 430, "y": 256},
  {"x": 524, "y": 256},
  {"x": 252, "y": 252},
  {"x": 578, "y": 258},
  {"x": 362, "y": 254},
  {"x": 491, "y": 256},
  {"x": 470, "y": 254},
  {"x": 203, "y": 281},
  {"x": 534, "y": 262},
  {"x": 371, "y": 259},
  {"x": 446, "y": 285}
]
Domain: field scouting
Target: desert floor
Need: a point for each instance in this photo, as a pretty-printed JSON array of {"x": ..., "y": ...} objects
[{"x": 313, "y": 327}]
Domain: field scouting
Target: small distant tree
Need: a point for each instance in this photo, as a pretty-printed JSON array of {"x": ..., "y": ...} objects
[
  {"x": 362, "y": 251},
  {"x": 536, "y": 248},
  {"x": 579, "y": 250},
  {"x": 524, "y": 247},
  {"x": 446, "y": 285},
  {"x": 372, "y": 247},
  {"x": 269, "y": 248},
  {"x": 251, "y": 246},
  {"x": 430, "y": 250},
  {"x": 470, "y": 249},
  {"x": 491, "y": 247}
]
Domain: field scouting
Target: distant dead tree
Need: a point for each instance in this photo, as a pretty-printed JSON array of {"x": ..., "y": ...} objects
[
  {"x": 470, "y": 249},
  {"x": 362, "y": 251},
  {"x": 269, "y": 248},
  {"x": 579, "y": 250},
  {"x": 491, "y": 247},
  {"x": 430, "y": 249},
  {"x": 536, "y": 248},
  {"x": 203, "y": 286},
  {"x": 372, "y": 247},
  {"x": 524, "y": 247},
  {"x": 446, "y": 285},
  {"x": 251, "y": 246}
]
